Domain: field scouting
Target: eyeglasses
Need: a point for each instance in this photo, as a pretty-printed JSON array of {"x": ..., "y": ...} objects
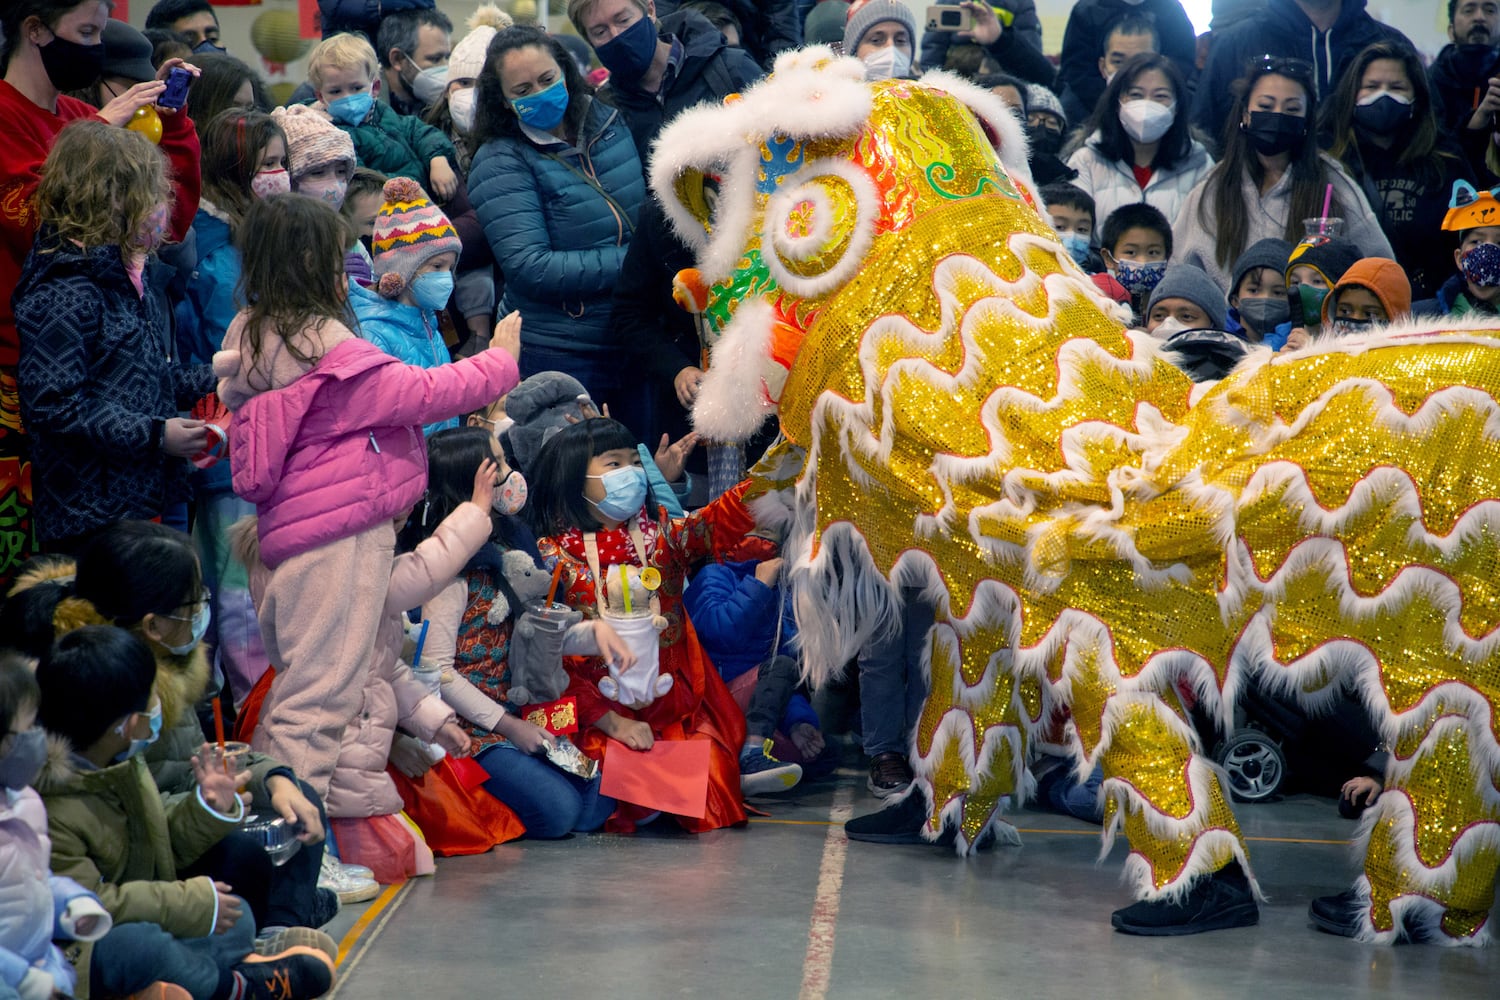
[
  {"x": 204, "y": 596},
  {"x": 1284, "y": 65}
]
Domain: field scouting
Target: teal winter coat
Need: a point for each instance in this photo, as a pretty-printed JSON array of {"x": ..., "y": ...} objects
[
  {"x": 406, "y": 333},
  {"x": 399, "y": 145},
  {"x": 558, "y": 240}
]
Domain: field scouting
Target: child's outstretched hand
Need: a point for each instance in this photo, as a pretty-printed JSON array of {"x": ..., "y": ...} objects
[
  {"x": 670, "y": 458},
  {"x": 484, "y": 484},
  {"x": 612, "y": 647},
  {"x": 507, "y": 335},
  {"x": 216, "y": 784},
  {"x": 1361, "y": 791}
]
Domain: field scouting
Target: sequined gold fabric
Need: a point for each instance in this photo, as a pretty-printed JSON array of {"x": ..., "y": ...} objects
[{"x": 965, "y": 399}]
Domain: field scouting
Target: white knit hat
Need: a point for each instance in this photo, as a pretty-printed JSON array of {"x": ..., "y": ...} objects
[{"x": 467, "y": 59}]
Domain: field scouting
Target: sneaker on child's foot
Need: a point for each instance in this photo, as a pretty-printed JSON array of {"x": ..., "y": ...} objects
[
  {"x": 273, "y": 941},
  {"x": 326, "y": 906},
  {"x": 762, "y": 774},
  {"x": 299, "y": 973},
  {"x": 161, "y": 991},
  {"x": 350, "y": 887}
]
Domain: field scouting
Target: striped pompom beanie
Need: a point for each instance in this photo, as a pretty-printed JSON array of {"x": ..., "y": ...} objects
[{"x": 409, "y": 231}]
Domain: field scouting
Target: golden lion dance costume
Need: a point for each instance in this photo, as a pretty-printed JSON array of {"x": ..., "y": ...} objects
[{"x": 963, "y": 412}]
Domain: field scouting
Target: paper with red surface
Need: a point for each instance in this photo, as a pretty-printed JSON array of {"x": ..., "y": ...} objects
[{"x": 672, "y": 776}]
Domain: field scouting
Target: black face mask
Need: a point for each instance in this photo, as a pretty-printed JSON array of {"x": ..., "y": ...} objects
[
  {"x": 1384, "y": 116},
  {"x": 1043, "y": 139},
  {"x": 71, "y": 66},
  {"x": 1475, "y": 61},
  {"x": 1272, "y": 133}
]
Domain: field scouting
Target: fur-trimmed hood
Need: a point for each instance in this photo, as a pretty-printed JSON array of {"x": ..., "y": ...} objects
[{"x": 60, "y": 772}]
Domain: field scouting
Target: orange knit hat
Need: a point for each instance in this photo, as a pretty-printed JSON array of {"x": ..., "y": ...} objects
[{"x": 1381, "y": 276}]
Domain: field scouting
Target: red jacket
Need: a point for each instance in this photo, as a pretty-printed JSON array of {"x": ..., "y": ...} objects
[{"x": 29, "y": 131}]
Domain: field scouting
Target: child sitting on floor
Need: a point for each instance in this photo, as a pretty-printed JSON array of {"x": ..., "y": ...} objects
[
  {"x": 31, "y": 966},
  {"x": 112, "y": 829}
]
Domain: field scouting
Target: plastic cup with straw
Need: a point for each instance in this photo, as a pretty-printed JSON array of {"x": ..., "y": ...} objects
[{"x": 1324, "y": 225}]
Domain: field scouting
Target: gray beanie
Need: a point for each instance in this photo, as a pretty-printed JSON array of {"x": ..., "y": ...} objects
[
  {"x": 865, "y": 16},
  {"x": 1269, "y": 252},
  {"x": 1040, "y": 98},
  {"x": 540, "y": 407},
  {"x": 1184, "y": 281}
]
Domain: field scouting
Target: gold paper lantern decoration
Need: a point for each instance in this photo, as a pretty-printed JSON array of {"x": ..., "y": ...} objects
[
  {"x": 524, "y": 11},
  {"x": 274, "y": 34}
]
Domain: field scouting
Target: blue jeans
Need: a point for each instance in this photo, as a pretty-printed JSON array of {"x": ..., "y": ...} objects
[
  {"x": 552, "y": 803},
  {"x": 891, "y": 686},
  {"x": 133, "y": 956}
]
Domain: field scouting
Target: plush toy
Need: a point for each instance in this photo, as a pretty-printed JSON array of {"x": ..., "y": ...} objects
[
  {"x": 627, "y": 608},
  {"x": 536, "y": 644}
]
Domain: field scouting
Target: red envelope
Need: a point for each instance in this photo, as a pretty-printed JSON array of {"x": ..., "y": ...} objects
[
  {"x": 672, "y": 776},
  {"x": 468, "y": 772}
]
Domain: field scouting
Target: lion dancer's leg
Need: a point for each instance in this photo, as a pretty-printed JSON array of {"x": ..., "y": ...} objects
[
  {"x": 1432, "y": 843},
  {"x": 969, "y": 746},
  {"x": 1188, "y": 863}
]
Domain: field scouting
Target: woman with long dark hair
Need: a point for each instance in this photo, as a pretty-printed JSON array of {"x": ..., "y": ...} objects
[
  {"x": 1138, "y": 145},
  {"x": 558, "y": 185},
  {"x": 1272, "y": 177},
  {"x": 1380, "y": 125}
]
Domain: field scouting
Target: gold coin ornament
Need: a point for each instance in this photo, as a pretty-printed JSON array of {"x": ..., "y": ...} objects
[
  {"x": 650, "y": 578},
  {"x": 966, "y": 417}
]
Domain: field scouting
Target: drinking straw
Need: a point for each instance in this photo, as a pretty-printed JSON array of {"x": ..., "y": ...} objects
[
  {"x": 625, "y": 586},
  {"x": 219, "y": 733},
  {"x": 416, "y": 654},
  {"x": 556, "y": 576},
  {"x": 1327, "y": 200}
]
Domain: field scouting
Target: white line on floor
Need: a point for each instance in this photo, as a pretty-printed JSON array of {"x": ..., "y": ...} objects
[{"x": 817, "y": 963}]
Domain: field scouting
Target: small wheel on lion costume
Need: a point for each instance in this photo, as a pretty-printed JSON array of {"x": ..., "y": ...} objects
[{"x": 1255, "y": 765}]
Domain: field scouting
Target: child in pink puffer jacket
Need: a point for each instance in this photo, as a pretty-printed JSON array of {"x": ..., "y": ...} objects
[{"x": 327, "y": 443}]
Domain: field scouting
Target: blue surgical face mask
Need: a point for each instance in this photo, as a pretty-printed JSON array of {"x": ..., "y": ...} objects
[
  {"x": 208, "y": 47},
  {"x": 545, "y": 109},
  {"x": 432, "y": 290},
  {"x": 352, "y": 108},
  {"x": 136, "y": 746},
  {"x": 201, "y": 619},
  {"x": 1139, "y": 279},
  {"x": 628, "y": 55},
  {"x": 1076, "y": 245},
  {"x": 624, "y": 492}
]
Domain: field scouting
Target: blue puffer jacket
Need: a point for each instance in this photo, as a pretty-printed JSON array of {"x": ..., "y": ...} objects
[
  {"x": 558, "y": 240},
  {"x": 403, "y": 332},
  {"x": 735, "y": 616},
  {"x": 211, "y": 294}
]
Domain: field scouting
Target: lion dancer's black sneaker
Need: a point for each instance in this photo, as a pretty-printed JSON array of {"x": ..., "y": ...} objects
[
  {"x": 1213, "y": 903},
  {"x": 1337, "y": 914}
]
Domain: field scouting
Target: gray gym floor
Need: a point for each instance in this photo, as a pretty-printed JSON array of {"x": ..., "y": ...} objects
[{"x": 788, "y": 908}]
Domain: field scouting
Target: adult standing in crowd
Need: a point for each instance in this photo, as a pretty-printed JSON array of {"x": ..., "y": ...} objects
[
  {"x": 364, "y": 16},
  {"x": 1016, "y": 47},
  {"x": 767, "y": 27},
  {"x": 194, "y": 19},
  {"x": 1325, "y": 34},
  {"x": 1139, "y": 145},
  {"x": 49, "y": 47},
  {"x": 657, "y": 70},
  {"x": 558, "y": 186},
  {"x": 1271, "y": 177},
  {"x": 1380, "y": 125},
  {"x": 413, "y": 47},
  {"x": 1465, "y": 77},
  {"x": 1087, "y": 63}
]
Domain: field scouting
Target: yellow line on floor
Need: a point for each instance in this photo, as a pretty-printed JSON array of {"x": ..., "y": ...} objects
[
  {"x": 354, "y": 939},
  {"x": 1065, "y": 833}
]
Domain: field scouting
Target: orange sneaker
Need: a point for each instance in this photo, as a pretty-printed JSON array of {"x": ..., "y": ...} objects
[{"x": 162, "y": 991}]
